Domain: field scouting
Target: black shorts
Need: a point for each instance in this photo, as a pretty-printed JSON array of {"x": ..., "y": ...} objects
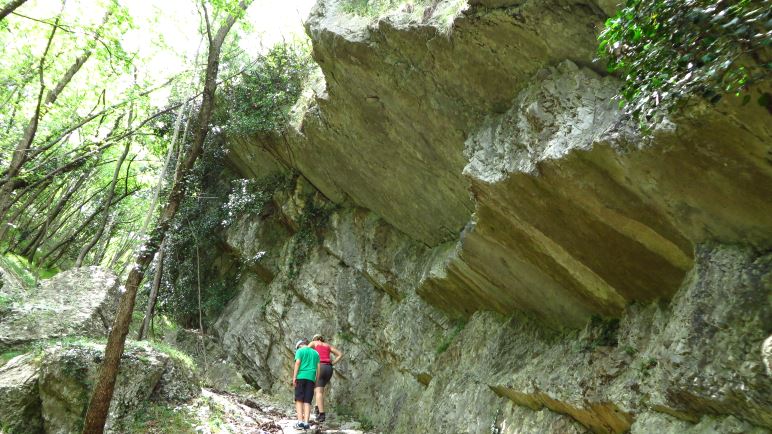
[
  {"x": 304, "y": 391},
  {"x": 325, "y": 375}
]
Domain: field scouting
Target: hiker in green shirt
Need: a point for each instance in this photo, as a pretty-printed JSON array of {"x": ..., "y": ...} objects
[{"x": 304, "y": 377}]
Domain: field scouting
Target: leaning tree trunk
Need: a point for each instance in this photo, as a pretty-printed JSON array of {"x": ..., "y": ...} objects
[
  {"x": 63, "y": 245},
  {"x": 159, "y": 271},
  {"x": 110, "y": 194},
  {"x": 96, "y": 416},
  {"x": 10, "y": 7},
  {"x": 40, "y": 236},
  {"x": 20, "y": 154}
]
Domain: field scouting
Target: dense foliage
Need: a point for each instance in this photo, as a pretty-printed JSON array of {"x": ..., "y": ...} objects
[
  {"x": 73, "y": 100},
  {"x": 195, "y": 250},
  {"x": 257, "y": 100},
  {"x": 260, "y": 99},
  {"x": 666, "y": 50}
]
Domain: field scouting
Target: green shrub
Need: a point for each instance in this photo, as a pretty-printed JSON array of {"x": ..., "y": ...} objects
[
  {"x": 666, "y": 50},
  {"x": 195, "y": 244},
  {"x": 259, "y": 101}
]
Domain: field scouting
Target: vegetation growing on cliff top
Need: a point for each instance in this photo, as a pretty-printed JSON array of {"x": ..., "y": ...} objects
[
  {"x": 260, "y": 99},
  {"x": 441, "y": 12},
  {"x": 666, "y": 50}
]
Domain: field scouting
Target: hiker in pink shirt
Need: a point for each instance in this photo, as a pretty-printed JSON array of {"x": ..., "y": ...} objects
[{"x": 324, "y": 349}]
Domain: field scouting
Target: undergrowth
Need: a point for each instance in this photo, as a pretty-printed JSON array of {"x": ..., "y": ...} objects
[{"x": 164, "y": 418}]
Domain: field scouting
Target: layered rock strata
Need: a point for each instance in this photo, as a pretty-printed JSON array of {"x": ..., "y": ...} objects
[
  {"x": 694, "y": 360},
  {"x": 501, "y": 249},
  {"x": 408, "y": 121}
]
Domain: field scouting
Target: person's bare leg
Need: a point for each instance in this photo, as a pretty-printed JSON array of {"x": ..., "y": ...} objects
[
  {"x": 299, "y": 410},
  {"x": 319, "y": 392},
  {"x": 306, "y": 412}
]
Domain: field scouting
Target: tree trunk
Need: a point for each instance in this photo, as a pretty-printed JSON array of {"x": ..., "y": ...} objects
[
  {"x": 80, "y": 229},
  {"x": 96, "y": 416},
  {"x": 106, "y": 216},
  {"x": 21, "y": 153},
  {"x": 105, "y": 243},
  {"x": 27, "y": 225},
  {"x": 124, "y": 245},
  {"x": 29, "y": 251},
  {"x": 159, "y": 271},
  {"x": 10, "y": 7},
  {"x": 162, "y": 175},
  {"x": 30, "y": 200}
]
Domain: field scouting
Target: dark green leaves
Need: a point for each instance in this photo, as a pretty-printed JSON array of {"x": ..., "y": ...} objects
[
  {"x": 260, "y": 100},
  {"x": 666, "y": 50}
]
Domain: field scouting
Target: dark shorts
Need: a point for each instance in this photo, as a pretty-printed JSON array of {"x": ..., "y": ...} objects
[
  {"x": 304, "y": 391},
  {"x": 325, "y": 375}
]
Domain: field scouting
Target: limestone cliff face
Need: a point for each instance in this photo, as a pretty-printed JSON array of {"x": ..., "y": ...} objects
[{"x": 495, "y": 247}]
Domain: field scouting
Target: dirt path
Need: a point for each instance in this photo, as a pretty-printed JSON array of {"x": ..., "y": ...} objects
[{"x": 258, "y": 414}]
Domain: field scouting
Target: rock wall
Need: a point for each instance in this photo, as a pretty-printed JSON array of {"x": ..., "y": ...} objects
[
  {"x": 695, "y": 359},
  {"x": 495, "y": 247}
]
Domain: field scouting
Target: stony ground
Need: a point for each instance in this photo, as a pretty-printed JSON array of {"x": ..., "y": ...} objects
[{"x": 220, "y": 412}]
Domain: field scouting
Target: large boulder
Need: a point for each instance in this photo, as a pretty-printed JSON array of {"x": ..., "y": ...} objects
[
  {"x": 19, "y": 398},
  {"x": 79, "y": 302},
  {"x": 49, "y": 390},
  {"x": 68, "y": 372}
]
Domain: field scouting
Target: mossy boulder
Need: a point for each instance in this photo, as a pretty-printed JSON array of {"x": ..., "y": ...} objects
[{"x": 48, "y": 390}]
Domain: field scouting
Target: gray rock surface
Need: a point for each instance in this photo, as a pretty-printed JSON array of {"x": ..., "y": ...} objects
[
  {"x": 79, "y": 302},
  {"x": 401, "y": 96},
  {"x": 409, "y": 121},
  {"x": 506, "y": 252},
  {"x": 19, "y": 398},
  {"x": 591, "y": 207},
  {"x": 697, "y": 358}
]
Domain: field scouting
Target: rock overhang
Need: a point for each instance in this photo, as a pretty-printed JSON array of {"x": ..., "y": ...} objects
[{"x": 398, "y": 130}]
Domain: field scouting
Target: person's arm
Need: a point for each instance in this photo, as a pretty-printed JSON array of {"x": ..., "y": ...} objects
[
  {"x": 318, "y": 371},
  {"x": 338, "y": 354},
  {"x": 295, "y": 372}
]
